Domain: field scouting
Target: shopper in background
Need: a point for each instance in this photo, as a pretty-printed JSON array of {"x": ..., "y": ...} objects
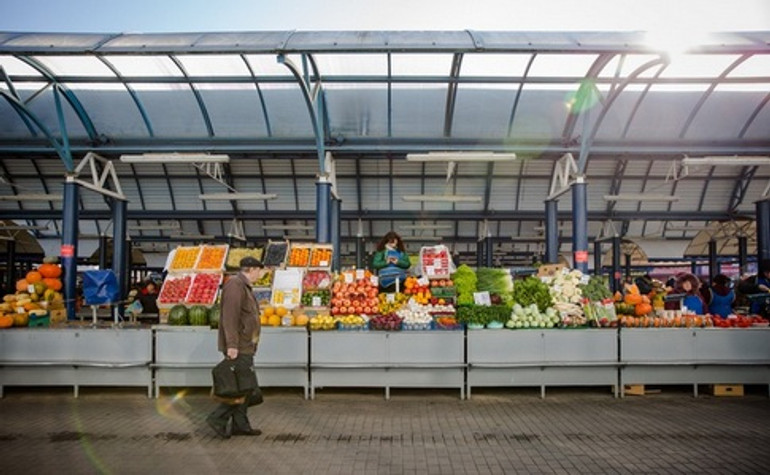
[
  {"x": 390, "y": 261},
  {"x": 689, "y": 286},
  {"x": 148, "y": 297},
  {"x": 757, "y": 284},
  {"x": 239, "y": 330},
  {"x": 721, "y": 296}
]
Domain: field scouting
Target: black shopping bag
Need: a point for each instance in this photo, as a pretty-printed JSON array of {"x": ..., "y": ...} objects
[{"x": 234, "y": 378}]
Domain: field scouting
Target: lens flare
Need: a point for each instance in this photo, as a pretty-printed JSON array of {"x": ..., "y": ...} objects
[
  {"x": 586, "y": 97},
  {"x": 172, "y": 407}
]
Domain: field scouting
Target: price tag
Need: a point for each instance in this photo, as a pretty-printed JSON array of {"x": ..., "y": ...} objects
[
  {"x": 348, "y": 277},
  {"x": 374, "y": 280},
  {"x": 360, "y": 274},
  {"x": 430, "y": 270},
  {"x": 323, "y": 264},
  {"x": 482, "y": 298},
  {"x": 316, "y": 301},
  {"x": 31, "y": 289},
  {"x": 390, "y": 298},
  {"x": 584, "y": 279},
  {"x": 423, "y": 281}
]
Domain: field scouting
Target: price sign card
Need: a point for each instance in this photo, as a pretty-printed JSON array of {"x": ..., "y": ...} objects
[{"x": 482, "y": 298}]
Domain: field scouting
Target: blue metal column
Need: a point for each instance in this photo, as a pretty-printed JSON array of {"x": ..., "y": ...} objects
[
  {"x": 103, "y": 251},
  {"x": 598, "y": 258},
  {"x": 743, "y": 251},
  {"x": 69, "y": 244},
  {"x": 617, "y": 284},
  {"x": 334, "y": 218},
  {"x": 360, "y": 252},
  {"x": 480, "y": 253},
  {"x": 10, "y": 259},
  {"x": 551, "y": 232},
  {"x": 713, "y": 264},
  {"x": 323, "y": 197},
  {"x": 489, "y": 249},
  {"x": 580, "y": 225},
  {"x": 763, "y": 230},
  {"x": 119, "y": 249}
]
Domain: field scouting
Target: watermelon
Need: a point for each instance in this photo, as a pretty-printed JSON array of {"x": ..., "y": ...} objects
[
  {"x": 198, "y": 315},
  {"x": 178, "y": 315},
  {"x": 214, "y": 313}
]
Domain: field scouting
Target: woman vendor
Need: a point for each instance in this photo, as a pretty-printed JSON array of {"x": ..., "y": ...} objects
[{"x": 390, "y": 261}]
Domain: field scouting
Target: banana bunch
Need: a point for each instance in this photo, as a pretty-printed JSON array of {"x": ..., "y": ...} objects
[
  {"x": 390, "y": 303},
  {"x": 322, "y": 322}
]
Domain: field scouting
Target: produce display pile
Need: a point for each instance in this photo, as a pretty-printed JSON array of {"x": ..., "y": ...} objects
[{"x": 38, "y": 300}]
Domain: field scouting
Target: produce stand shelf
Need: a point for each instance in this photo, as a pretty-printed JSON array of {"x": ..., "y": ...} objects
[
  {"x": 420, "y": 359},
  {"x": 694, "y": 356},
  {"x": 500, "y": 358},
  {"x": 184, "y": 357},
  {"x": 76, "y": 357}
]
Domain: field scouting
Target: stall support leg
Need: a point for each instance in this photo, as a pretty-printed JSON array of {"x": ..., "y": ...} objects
[
  {"x": 387, "y": 393},
  {"x": 542, "y": 391}
]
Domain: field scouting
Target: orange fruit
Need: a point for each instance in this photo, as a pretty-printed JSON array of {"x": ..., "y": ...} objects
[
  {"x": 268, "y": 311},
  {"x": 281, "y": 311},
  {"x": 274, "y": 320}
]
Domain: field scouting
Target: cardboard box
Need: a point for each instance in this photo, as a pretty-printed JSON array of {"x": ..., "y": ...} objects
[
  {"x": 547, "y": 270},
  {"x": 633, "y": 389},
  {"x": 727, "y": 390}
]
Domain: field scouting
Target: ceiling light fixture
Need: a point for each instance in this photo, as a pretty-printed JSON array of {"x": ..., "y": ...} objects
[
  {"x": 444, "y": 198},
  {"x": 460, "y": 157},
  {"x": 641, "y": 197},
  {"x": 735, "y": 160},
  {"x": 32, "y": 197},
  {"x": 237, "y": 196},
  {"x": 175, "y": 158},
  {"x": 427, "y": 226}
]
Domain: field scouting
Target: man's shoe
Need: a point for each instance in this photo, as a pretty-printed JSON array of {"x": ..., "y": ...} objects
[
  {"x": 251, "y": 432},
  {"x": 220, "y": 429}
]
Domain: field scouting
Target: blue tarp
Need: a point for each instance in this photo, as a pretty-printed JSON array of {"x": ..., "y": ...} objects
[{"x": 100, "y": 287}]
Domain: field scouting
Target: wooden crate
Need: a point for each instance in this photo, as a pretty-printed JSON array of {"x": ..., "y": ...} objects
[
  {"x": 633, "y": 389},
  {"x": 720, "y": 390}
]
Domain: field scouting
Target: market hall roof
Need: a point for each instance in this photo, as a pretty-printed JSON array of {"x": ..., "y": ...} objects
[{"x": 386, "y": 94}]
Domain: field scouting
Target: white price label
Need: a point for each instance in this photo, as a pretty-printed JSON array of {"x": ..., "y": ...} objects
[
  {"x": 323, "y": 264},
  {"x": 360, "y": 274},
  {"x": 430, "y": 270},
  {"x": 482, "y": 298},
  {"x": 375, "y": 280},
  {"x": 348, "y": 277},
  {"x": 316, "y": 301},
  {"x": 390, "y": 298},
  {"x": 438, "y": 262},
  {"x": 423, "y": 281}
]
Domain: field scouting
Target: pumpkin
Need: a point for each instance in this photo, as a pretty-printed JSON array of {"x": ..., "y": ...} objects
[
  {"x": 51, "y": 271},
  {"x": 20, "y": 320},
  {"x": 632, "y": 299},
  {"x": 22, "y": 285},
  {"x": 33, "y": 276},
  {"x": 642, "y": 309},
  {"x": 52, "y": 283},
  {"x": 6, "y": 321}
]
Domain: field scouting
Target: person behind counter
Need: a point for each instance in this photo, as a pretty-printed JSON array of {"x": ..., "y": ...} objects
[
  {"x": 148, "y": 297},
  {"x": 390, "y": 261},
  {"x": 689, "y": 285},
  {"x": 757, "y": 284},
  {"x": 721, "y": 296}
]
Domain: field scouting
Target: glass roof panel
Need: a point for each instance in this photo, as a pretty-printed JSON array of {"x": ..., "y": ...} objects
[
  {"x": 101, "y": 101},
  {"x": 561, "y": 65},
  {"x": 288, "y": 113},
  {"x": 234, "y": 112},
  {"x": 724, "y": 114},
  {"x": 628, "y": 64},
  {"x": 698, "y": 65},
  {"x": 352, "y": 64},
  {"x": 358, "y": 110},
  {"x": 418, "y": 110},
  {"x": 758, "y": 65},
  {"x": 173, "y": 113},
  {"x": 144, "y": 66},
  {"x": 494, "y": 65},
  {"x": 76, "y": 66},
  {"x": 542, "y": 111},
  {"x": 663, "y": 113},
  {"x": 421, "y": 64},
  {"x": 16, "y": 67},
  {"x": 213, "y": 65},
  {"x": 481, "y": 111},
  {"x": 268, "y": 65}
]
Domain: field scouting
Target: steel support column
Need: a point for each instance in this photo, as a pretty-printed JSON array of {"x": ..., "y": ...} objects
[
  {"x": 713, "y": 262},
  {"x": 322, "y": 205},
  {"x": 598, "y": 258},
  {"x": 103, "y": 251},
  {"x": 360, "y": 251},
  {"x": 488, "y": 251},
  {"x": 616, "y": 281},
  {"x": 334, "y": 227},
  {"x": 743, "y": 246},
  {"x": 763, "y": 230},
  {"x": 119, "y": 250},
  {"x": 551, "y": 232},
  {"x": 69, "y": 244},
  {"x": 580, "y": 225},
  {"x": 480, "y": 253},
  {"x": 10, "y": 260}
]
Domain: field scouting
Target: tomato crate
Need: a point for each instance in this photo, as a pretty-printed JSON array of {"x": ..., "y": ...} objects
[
  {"x": 174, "y": 289},
  {"x": 204, "y": 289}
]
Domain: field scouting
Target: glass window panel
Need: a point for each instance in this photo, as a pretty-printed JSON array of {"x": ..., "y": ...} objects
[
  {"x": 76, "y": 66},
  {"x": 288, "y": 113},
  {"x": 111, "y": 109},
  {"x": 542, "y": 112},
  {"x": 758, "y": 65},
  {"x": 570, "y": 65},
  {"x": 482, "y": 112},
  {"x": 144, "y": 66},
  {"x": 698, "y": 65},
  {"x": 173, "y": 113},
  {"x": 268, "y": 65},
  {"x": 421, "y": 64},
  {"x": 662, "y": 114},
  {"x": 234, "y": 112},
  {"x": 628, "y": 64},
  {"x": 358, "y": 110},
  {"x": 213, "y": 65},
  {"x": 418, "y": 110},
  {"x": 495, "y": 65},
  {"x": 352, "y": 64},
  {"x": 15, "y": 67},
  {"x": 724, "y": 114}
]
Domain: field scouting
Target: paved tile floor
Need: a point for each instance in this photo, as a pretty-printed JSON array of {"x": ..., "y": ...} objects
[{"x": 415, "y": 432}]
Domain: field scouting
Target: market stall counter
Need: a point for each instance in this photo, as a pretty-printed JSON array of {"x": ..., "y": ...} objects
[
  {"x": 76, "y": 356},
  {"x": 384, "y": 359},
  {"x": 558, "y": 357},
  {"x": 185, "y": 355},
  {"x": 694, "y": 356}
]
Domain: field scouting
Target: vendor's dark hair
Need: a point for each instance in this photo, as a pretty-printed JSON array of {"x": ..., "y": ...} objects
[{"x": 389, "y": 237}]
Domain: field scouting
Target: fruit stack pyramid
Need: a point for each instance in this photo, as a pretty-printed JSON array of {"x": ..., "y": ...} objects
[{"x": 38, "y": 298}]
